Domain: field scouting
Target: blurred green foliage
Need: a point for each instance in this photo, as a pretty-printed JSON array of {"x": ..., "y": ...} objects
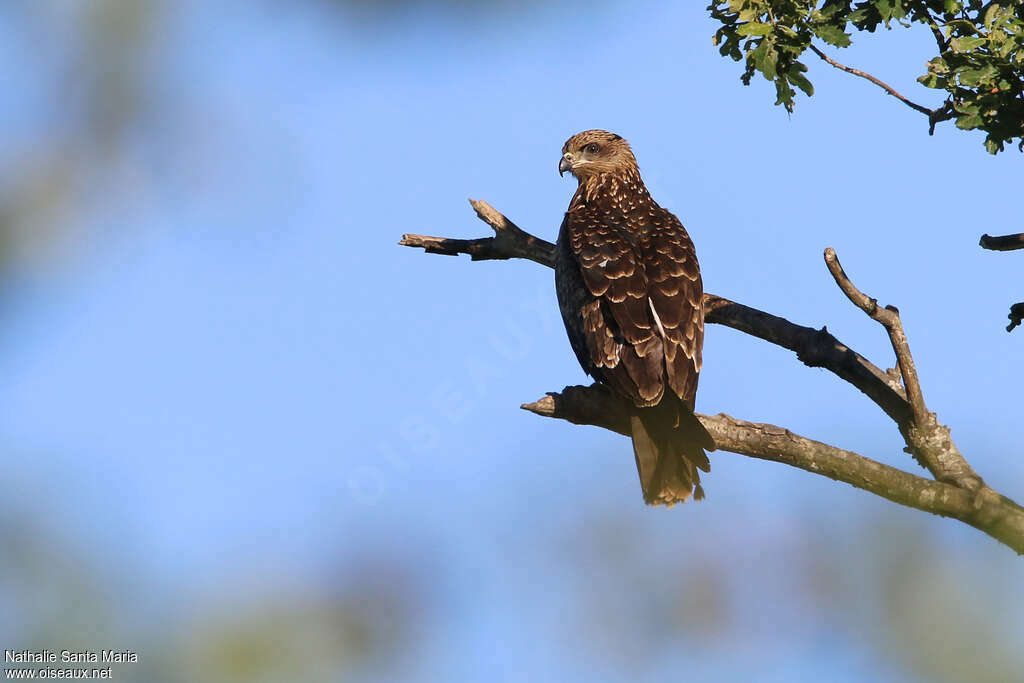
[
  {"x": 980, "y": 65},
  {"x": 58, "y": 592},
  {"x": 92, "y": 62}
]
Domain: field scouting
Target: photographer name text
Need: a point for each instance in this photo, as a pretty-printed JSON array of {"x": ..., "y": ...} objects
[{"x": 69, "y": 656}]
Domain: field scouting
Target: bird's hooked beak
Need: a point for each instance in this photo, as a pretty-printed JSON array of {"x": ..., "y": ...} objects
[{"x": 565, "y": 163}]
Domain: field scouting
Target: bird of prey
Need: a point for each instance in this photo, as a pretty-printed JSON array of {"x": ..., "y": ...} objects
[{"x": 631, "y": 297}]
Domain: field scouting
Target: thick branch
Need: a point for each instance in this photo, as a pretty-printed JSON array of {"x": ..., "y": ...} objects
[
  {"x": 816, "y": 348},
  {"x": 986, "y": 510},
  {"x": 927, "y": 438},
  {"x": 943, "y": 113},
  {"x": 1002, "y": 242}
]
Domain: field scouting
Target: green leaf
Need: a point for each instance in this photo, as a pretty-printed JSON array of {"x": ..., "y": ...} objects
[
  {"x": 938, "y": 65},
  {"x": 833, "y": 35},
  {"x": 973, "y": 77},
  {"x": 785, "y": 93},
  {"x": 968, "y": 122},
  {"x": 993, "y": 14},
  {"x": 753, "y": 28},
  {"x": 933, "y": 81},
  {"x": 858, "y": 15},
  {"x": 764, "y": 59},
  {"x": 800, "y": 81},
  {"x": 884, "y": 8},
  {"x": 966, "y": 44}
]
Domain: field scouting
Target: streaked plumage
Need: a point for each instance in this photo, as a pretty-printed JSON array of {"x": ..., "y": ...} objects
[{"x": 631, "y": 297}]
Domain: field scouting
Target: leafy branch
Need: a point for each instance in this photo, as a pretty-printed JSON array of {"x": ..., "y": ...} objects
[{"x": 980, "y": 65}]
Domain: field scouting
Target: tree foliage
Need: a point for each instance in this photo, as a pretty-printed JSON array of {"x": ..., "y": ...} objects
[{"x": 980, "y": 65}]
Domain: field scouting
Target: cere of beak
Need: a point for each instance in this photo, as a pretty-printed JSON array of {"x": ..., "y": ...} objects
[{"x": 565, "y": 164}]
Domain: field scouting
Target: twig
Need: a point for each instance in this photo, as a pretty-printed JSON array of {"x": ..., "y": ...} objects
[
  {"x": 1002, "y": 242},
  {"x": 993, "y": 514},
  {"x": 943, "y": 113},
  {"x": 857, "y": 72}
]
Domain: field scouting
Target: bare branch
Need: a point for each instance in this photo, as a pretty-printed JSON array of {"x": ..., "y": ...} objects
[
  {"x": 1002, "y": 242},
  {"x": 943, "y": 113},
  {"x": 509, "y": 241},
  {"x": 986, "y": 510},
  {"x": 857, "y": 72},
  {"x": 959, "y": 493},
  {"x": 816, "y": 348},
  {"x": 927, "y": 438},
  {"x": 889, "y": 317}
]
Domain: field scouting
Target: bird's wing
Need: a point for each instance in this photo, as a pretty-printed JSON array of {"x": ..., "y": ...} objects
[
  {"x": 618, "y": 326},
  {"x": 675, "y": 295}
]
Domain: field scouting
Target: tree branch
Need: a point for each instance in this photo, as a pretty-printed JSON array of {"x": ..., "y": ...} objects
[
  {"x": 959, "y": 493},
  {"x": 943, "y": 113},
  {"x": 986, "y": 510},
  {"x": 889, "y": 317},
  {"x": 815, "y": 348},
  {"x": 928, "y": 440},
  {"x": 940, "y": 40},
  {"x": 509, "y": 241},
  {"x": 1002, "y": 242}
]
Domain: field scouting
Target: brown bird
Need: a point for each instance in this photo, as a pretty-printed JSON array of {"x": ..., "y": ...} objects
[{"x": 631, "y": 297}]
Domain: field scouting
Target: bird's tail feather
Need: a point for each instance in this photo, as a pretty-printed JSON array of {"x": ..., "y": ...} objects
[{"x": 669, "y": 443}]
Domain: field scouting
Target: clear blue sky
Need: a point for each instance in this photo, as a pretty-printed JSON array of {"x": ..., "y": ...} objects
[{"x": 230, "y": 381}]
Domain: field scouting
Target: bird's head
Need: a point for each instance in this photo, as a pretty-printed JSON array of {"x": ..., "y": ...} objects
[{"x": 596, "y": 152}]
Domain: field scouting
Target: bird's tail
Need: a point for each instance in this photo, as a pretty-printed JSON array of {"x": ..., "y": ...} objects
[{"x": 669, "y": 443}]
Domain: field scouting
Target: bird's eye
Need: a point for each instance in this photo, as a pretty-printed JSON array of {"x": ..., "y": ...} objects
[{"x": 591, "y": 148}]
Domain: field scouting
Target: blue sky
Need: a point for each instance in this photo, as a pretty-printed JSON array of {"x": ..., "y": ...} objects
[{"x": 227, "y": 378}]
